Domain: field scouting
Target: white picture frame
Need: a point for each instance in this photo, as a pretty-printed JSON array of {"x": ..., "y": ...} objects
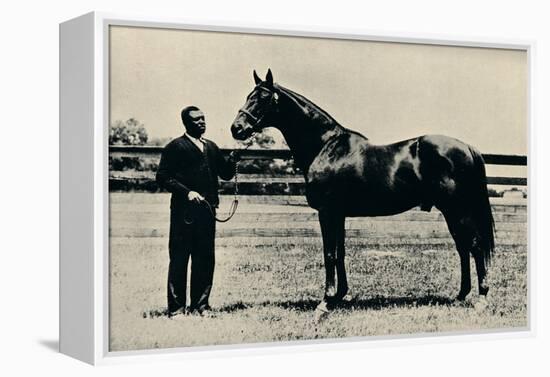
[{"x": 84, "y": 211}]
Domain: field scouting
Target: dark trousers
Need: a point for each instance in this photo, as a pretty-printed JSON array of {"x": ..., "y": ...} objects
[{"x": 193, "y": 241}]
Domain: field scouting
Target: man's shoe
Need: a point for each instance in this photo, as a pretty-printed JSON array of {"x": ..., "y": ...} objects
[
  {"x": 206, "y": 311},
  {"x": 198, "y": 309},
  {"x": 177, "y": 312}
]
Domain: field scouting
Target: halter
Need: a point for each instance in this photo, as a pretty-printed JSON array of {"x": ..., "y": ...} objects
[{"x": 249, "y": 115}]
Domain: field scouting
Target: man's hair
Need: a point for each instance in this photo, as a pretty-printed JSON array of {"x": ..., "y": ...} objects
[{"x": 185, "y": 114}]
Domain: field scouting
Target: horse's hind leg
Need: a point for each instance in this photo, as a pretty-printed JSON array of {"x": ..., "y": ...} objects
[
  {"x": 465, "y": 278},
  {"x": 481, "y": 269},
  {"x": 477, "y": 252},
  {"x": 481, "y": 272},
  {"x": 462, "y": 230}
]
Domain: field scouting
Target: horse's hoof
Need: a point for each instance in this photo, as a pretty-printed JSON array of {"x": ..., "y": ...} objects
[
  {"x": 461, "y": 297},
  {"x": 347, "y": 298},
  {"x": 331, "y": 292},
  {"x": 321, "y": 312},
  {"x": 481, "y": 304}
]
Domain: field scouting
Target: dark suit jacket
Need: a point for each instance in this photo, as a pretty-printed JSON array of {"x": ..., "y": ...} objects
[{"x": 183, "y": 168}]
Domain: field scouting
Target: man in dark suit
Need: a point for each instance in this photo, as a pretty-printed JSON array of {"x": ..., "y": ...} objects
[{"x": 189, "y": 168}]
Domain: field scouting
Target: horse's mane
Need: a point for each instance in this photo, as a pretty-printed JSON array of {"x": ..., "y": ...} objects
[{"x": 307, "y": 105}]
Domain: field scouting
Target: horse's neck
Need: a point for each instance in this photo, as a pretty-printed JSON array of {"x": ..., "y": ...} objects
[{"x": 305, "y": 127}]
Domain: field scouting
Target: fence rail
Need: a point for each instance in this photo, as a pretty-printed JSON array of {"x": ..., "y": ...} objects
[
  {"x": 289, "y": 184},
  {"x": 255, "y": 154}
]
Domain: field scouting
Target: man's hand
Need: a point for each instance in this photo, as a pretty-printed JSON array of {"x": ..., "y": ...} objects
[{"x": 195, "y": 197}]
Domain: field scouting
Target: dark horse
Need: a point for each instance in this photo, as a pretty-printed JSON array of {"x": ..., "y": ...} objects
[{"x": 347, "y": 175}]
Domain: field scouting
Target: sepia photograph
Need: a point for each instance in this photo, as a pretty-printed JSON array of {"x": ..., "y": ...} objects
[{"x": 269, "y": 188}]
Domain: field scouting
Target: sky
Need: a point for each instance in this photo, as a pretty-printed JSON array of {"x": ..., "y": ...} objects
[{"x": 386, "y": 91}]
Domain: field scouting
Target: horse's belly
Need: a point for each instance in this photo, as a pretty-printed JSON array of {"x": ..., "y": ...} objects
[
  {"x": 364, "y": 200},
  {"x": 380, "y": 208}
]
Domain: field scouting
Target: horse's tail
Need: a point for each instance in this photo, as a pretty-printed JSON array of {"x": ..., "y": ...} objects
[{"x": 483, "y": 214}]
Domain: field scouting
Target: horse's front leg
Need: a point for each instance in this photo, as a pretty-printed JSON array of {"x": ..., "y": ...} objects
[
  {"x": 332, "y": 230},
  {"x": 329, "y": 234},
  {"x": 342, "y": 287}
]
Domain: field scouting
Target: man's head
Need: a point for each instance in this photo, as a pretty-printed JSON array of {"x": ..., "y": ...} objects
[{"x": 193, "y": 120}]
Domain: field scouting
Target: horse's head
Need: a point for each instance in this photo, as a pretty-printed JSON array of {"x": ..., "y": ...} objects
[{"x": 259, "y": 109}]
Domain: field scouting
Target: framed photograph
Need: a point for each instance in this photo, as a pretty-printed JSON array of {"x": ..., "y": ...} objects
[{"x": 226, "y": 187}]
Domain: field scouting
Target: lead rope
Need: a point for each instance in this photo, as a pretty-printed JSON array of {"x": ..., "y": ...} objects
[{"x": 234, "y": 204}]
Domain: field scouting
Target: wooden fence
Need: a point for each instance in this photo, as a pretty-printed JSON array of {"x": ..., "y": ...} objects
[
  {"x": 269, "y": 219},
  {"x": 276, "y": 208},
  {"x": 257, "y": 184}
]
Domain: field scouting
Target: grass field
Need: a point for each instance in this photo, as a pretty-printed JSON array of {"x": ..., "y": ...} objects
[{"x": 266, "y": 288}]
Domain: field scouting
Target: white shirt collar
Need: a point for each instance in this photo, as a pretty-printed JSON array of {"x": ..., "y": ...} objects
[{"x": 198, "y": 142}]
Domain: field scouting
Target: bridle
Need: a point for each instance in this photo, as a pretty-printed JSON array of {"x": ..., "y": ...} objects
[{"x": 257, "y": 121}]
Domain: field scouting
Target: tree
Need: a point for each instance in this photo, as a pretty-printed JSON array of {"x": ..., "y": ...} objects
[{"x": 129, "y": 132}]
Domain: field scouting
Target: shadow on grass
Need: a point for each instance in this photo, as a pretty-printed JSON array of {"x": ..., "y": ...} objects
[
  {"x": 374, "y": 303},
  {"x": 381, "y": 302},
  {"x": 155, "y": 313},
  {"x": 307, "y": 305}
]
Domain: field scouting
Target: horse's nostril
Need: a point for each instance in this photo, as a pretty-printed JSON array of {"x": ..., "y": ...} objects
[{"x": 236, "y": 129}]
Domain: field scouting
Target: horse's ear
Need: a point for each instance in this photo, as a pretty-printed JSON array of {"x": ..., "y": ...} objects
[
  {"x": 257, "y": 80},
  {"x": 269, "y": 77}
]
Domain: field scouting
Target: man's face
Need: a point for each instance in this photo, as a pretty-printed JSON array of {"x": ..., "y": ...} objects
[{"x": 196, "y": 124}]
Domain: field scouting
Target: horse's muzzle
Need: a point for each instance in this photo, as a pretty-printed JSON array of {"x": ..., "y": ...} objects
[{"x": 240, "y": 130}]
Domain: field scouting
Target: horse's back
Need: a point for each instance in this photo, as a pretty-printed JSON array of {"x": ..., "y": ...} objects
[{"x": 362, "y": 179}]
